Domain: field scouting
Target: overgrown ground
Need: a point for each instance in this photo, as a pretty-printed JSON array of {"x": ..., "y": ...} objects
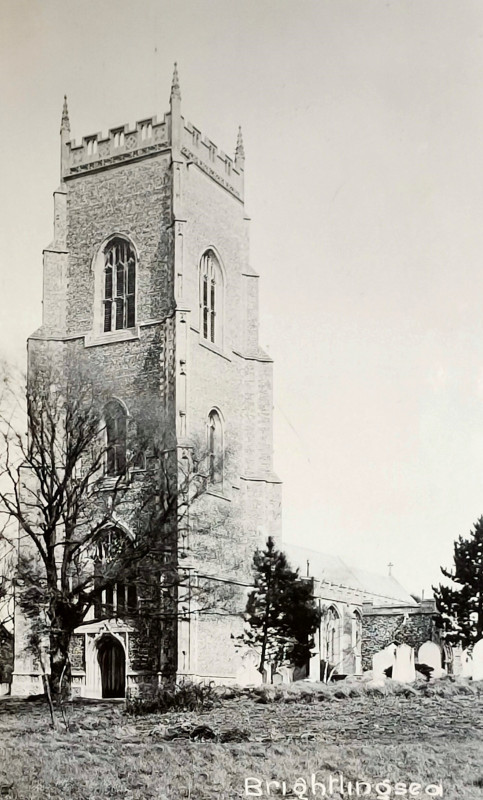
[{"x": 425, "y": 736}]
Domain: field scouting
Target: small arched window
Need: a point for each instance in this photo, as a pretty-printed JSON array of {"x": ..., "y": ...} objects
[
  {"x": 211, "y": 298},
  {"x": 119, "y": 285},
  {"x": 215, "y": 448},
  {"x": 116, "y": 438}
]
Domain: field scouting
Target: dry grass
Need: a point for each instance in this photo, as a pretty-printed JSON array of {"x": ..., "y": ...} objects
[{"x": 422, "y": 736}]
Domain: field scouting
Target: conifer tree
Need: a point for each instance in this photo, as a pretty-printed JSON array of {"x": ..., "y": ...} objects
[
  {"x": 281, "y": 613},
  {"x": 460, "y": 607}
]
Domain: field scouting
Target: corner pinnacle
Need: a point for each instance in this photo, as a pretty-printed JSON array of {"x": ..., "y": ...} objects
[
  {"x": 175, "y": 90},
  {"x": 65, "y": 124},
  {"x": 240, "y": 150}
]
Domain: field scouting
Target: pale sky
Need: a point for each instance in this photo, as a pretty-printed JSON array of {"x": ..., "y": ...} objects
[{"x": 363, "y": 129}]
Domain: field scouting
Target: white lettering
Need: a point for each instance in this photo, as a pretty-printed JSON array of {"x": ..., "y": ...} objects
[
  {"x": 315, "y": 786},
  {"x": 300, "y": 787},
  {"x": 253, "y": 783},
  {"x": 400, "y": 789},
  {"x": 383, "y": 789},
  {"x": 338, "y": 785},
  {"x": 434, "y": 789},
  {"x": 414, "y": 789},
  {"x": 367, "y": 788}
]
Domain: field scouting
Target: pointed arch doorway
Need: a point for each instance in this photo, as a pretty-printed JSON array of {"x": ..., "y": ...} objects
[{"x": 112, "y": 662}]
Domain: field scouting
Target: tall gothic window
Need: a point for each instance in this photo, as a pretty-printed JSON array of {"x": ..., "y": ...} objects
[
  {"x": 332, "y": 637},
  {"x": 116, "y": 436},
  {"x": 215, "y": 448},
  {"x": 119, "y": 285},
  {"x": 113, "y": 598},
  {"x": 211, "y": 290}
]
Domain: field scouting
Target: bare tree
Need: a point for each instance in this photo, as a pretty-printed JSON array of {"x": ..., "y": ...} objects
[{"x": 53, "y": 483}]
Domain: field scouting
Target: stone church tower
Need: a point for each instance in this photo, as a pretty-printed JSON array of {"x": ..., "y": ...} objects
[{"x": 148, "y": 279}]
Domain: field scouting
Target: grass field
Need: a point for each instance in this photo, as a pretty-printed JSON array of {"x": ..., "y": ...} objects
[{"x": 422, "y": 738}]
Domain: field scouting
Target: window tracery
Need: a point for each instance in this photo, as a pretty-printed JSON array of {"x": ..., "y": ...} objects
[
  {"x": 211, "y": 297},
  {"x": 117, "y": 598},
  {"x": 119, "y": 285},
  {"x": 215, "y": 448}
]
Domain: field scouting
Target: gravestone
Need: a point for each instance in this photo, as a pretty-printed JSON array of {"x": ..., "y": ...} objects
[
  {"x": 267, "y": 673},
  {"x": 382, "y": 661},
  {"x": 403, "y": 669},
  {"x": 467, "y": 665},
  {"x": 286, "y": 673},
  {"x": 448, "y": 659},
  {"x": 457, "y": 660},
  {"x": 430, "y": 654},
  {"x": 314, "y": 666},
  {"x": 248, "y": 673},
  {"x": 477, "y": 672}
]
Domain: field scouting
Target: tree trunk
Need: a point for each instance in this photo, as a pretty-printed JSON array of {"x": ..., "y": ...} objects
[
  {"x": 60, "y": 670},
  {"x": 268, "y": 603}
]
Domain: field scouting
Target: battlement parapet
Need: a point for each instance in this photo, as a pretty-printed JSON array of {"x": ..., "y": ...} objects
[
  {"x": 149, "y": 137},
  {"x": 121, "y": 144},
  {"x": 200, "y": 150}
]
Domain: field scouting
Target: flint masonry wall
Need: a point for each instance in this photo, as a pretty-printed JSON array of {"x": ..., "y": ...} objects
[
  {"x": 234, "y": 376},
  {"x": 174, "y": 194},
  {"x": 133, "y": 199},
  {"x": 381, "y": 626}
]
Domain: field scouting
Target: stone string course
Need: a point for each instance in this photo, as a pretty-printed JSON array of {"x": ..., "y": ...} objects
[{"x": 172, "y": 207}]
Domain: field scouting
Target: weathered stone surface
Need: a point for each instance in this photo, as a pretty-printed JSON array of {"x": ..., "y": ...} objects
[
  {"x": 384, "y": 626},
  {"x": 477, "y": 673},
  {"x": 171, "y": 207},
  {"x": 430, "y": 653},
  {"x": 403, "y": 669}
]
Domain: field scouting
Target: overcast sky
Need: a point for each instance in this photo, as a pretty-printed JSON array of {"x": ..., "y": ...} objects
[{"x": 363, "y": 128}]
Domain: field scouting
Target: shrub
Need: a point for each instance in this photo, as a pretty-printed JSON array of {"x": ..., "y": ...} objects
[{"x": 185, "y": 697}]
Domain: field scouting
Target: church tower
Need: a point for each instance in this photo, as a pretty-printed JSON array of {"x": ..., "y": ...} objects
[{"x": 148, "y": 280}]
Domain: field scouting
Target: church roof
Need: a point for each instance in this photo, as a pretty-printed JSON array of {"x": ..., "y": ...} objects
[{"x": 332, "y": 569}]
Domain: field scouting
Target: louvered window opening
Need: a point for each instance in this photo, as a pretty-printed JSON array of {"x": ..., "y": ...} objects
[
  {"x": 215, "y": 448},
  {"x": 208, "y": 275},
  {"x": 116, "y": 434}
]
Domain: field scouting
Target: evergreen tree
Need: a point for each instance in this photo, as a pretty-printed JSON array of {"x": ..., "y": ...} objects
[
  {"x": 281, "y": 613},
  {"x": 460, "y": 607}
]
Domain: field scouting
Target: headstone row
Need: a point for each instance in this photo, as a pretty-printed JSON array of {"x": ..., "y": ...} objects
[{"x": 400, "y": 660}]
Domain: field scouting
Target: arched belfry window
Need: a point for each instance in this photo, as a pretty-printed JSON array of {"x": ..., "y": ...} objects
[
  {"x": 116, "y": 437},
  {"x": 211, "y": 297},
  {"x": 215, "y": 448},
  {"x": 119, "y": 285}
]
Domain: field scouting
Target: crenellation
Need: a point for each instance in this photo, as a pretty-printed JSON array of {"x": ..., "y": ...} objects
[
  {"x": 212, "y": 160},
  {"x": 122, "y": 143}
]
